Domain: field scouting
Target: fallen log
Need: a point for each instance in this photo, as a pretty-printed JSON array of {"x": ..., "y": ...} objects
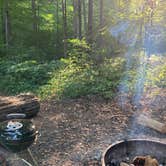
[
  {"x": 151, "y": 123},
  {"x": 25, "y": 103}
]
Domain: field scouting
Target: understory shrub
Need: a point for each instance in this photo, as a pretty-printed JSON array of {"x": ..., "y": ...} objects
[{"x": 25, "y": 76}]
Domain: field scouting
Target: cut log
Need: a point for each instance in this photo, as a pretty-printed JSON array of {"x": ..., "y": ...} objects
[
  {"x": 25, "y": 103},
  {"x": 151, "y": 123}
]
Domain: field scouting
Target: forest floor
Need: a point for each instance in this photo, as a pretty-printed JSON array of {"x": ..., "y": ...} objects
[{"x": 76, "y": 132}]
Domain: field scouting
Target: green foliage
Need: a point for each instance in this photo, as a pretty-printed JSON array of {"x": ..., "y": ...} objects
[
  {"x": 77, "y": 75},
  {"x": 25, "y": 76},
  {"x": 157, "y": 76},
  {"x": 75, "y": 81}
]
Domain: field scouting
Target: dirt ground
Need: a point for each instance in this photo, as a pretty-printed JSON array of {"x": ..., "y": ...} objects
[{"x": 76, "y": 132}]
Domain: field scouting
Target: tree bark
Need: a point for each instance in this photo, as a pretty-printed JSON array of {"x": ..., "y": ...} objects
[
  {"x": 79, "y": 19},
  {"x": 2, "y": 22},
  {"x": 34, "y": 14},
  {"x": 75, "y": 18},
  {"x": 90, "y": 21},
  {"x": 101, "y": 23},
  {"x": 6, "y": 23},
  {"x": 101, "y": 14},
  {"x": 64, "y": 15},
  {"x": 84, "y": 16},
  {"x": 57, "y": 26}
]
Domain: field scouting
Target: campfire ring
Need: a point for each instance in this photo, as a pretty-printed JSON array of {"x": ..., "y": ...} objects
[{"x": 134, "y": 147}]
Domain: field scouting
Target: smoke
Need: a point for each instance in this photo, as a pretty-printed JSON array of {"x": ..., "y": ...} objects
[{"x": 142, "y": 41}]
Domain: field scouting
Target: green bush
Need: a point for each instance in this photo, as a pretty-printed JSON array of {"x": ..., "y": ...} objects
[
  {"x": 74, "y": 81},
  {"x": 25, "y": 76},
  {"x": 157, "y": 76},
  {"x": 75, "y": 76}
]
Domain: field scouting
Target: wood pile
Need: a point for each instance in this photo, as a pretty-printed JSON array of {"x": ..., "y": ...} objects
[{"x": 24, "y": 103}]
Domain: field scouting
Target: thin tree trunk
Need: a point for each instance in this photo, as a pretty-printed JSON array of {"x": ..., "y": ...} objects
[
  {"x": 34, "y": 13},
  {"x": 6, "y": 23},
  {"x": 101, "y": 23},
  {"x": 38, "y": 15},
  {"x": 101, "y": 13},
  {"x": 75, "y": 18},
  {"x": 79, "y": 19},
  {"x": 90, "y": 21},
  {"x": 2, "y": 22},
  {"x": 84, "y": 16},
  {"x": 64, "y": 13},
  {"x": 57, "y": 26}
]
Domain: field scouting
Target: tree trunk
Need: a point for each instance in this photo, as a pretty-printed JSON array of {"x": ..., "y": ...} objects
[
  {"x": 79, "y": 19},
  {"x": 2, "y": 22},
  {"x": 38, "y": 15},
  {"x": 101, "y": 23},
  {"x": 84, "y": 16},
  {"x": 6, "y": 23},
  {"x": 75, "y": 18},
  {"x": 90, "y": 21},
  {"x": 57, "y": 26},
  {"x": 64, "y": 14},
  {"x": 101, "y": 14},
  {"x": 34, "y": 14}
]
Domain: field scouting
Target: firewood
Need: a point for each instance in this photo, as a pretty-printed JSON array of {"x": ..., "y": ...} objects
[
  {"x": 139, "y": 161},
  {"x": 151, "y": 123},
  {"x": 24, "y": 103},
  {"x": 145, "y": 161},
  {"x": 149, "y": 161}
]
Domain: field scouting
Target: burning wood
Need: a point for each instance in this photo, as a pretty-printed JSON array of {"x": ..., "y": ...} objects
[
  {"x": 142, "y": 161},
  {"x": 145, "y": 161},
  {"x": 151, "y": 123}
]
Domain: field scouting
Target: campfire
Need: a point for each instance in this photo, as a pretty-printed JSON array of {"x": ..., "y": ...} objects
[
  {"x": 141, "y": 161},
  {"x": 136, "y": 152}
]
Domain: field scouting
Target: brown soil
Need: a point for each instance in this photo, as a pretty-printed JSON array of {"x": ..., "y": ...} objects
[{"x": 76, "y": 132}]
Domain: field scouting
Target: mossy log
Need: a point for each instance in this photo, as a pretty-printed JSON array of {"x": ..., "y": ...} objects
[{"x": 24, "y": 103}]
